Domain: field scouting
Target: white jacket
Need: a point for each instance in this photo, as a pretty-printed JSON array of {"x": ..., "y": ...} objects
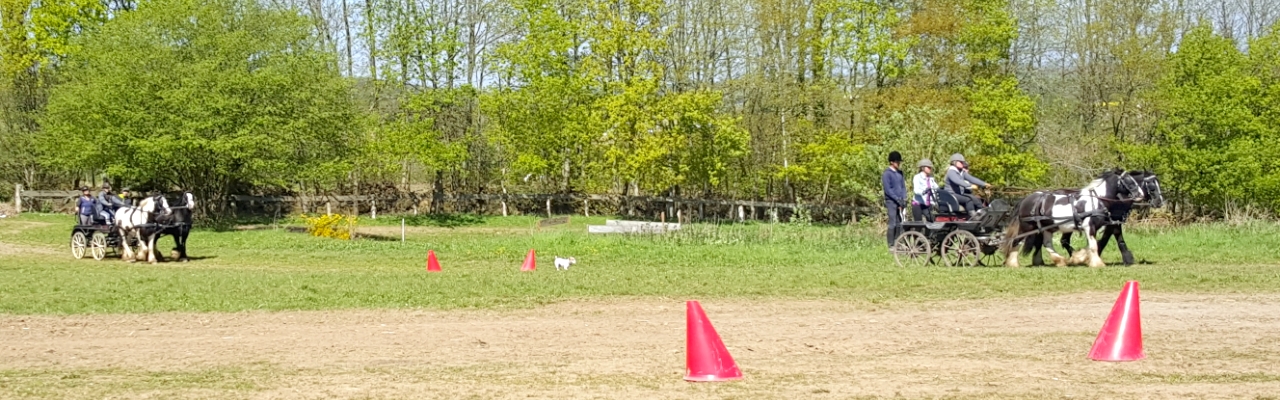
[{"x": 923, "y": 186}]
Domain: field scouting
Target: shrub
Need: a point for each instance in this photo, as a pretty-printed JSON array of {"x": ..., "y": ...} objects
[{"x": 335, "y": 226}]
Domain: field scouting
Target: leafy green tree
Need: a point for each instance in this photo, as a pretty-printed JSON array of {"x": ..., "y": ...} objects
[
  {"x": 1264, "y": 60},
  {"x": 34, "y": 38},
  {"x": 1208, "y": 141},
  {"x": 542, "y": 115},
  {"x": 1003, "y": 129},
  {"x": 215, "y": 97}
]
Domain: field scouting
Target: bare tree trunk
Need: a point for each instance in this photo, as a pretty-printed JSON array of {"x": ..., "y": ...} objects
[{"x": 346, "y": 26}]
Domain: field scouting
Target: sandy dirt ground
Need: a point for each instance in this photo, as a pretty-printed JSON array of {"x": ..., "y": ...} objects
[{"x": 1197, "y": 346}]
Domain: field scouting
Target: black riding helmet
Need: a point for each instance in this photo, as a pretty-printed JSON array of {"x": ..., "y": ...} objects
[{"x": 895, "y": 157}]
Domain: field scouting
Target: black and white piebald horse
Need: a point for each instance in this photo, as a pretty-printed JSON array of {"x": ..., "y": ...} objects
[
  {"x": 176, "y": 222},
  {"x": 136, "y": 221},
  {"x": 1066, "y": 211},
  {"x": 1118, "y": 213}
]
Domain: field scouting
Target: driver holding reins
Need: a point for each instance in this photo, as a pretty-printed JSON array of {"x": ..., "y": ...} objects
[
  {"x": 108, "y": 203},
  {"x": 962, "y": 185}
]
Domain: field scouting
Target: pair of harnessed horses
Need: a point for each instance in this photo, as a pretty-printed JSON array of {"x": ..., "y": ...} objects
[
  {"x": 151, "y": 219},
  {"x": 1104, "y": 203}
]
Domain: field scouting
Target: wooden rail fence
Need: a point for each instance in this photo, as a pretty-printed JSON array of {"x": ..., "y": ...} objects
[{"x": 675, "y": 206}]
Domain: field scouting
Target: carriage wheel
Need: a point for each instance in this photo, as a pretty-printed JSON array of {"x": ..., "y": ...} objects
[
  {"x": 961, "y": 249},
  {"x": 912, "y": 249},
  {"x": 78, "y": 242},
  {"x": 98, "y": 243},
  {"x": 991, "y": 256}
]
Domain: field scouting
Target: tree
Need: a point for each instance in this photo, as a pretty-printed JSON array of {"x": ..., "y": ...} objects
[
  {"x": 209, "y": 96},
  {"x": 542, "y": 116},
  {"x": 1207, "y": 142},
  {"x": 34, "y": 38}
]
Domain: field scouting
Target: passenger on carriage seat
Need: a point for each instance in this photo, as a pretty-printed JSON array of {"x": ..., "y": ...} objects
[
  {"x": 924, "y": 187},
  {"x": 960, "y": 184},
  {"x": 107, "y": 204}
]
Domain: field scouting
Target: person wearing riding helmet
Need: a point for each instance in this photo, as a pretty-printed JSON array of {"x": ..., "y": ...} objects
[
  {"x": 895, "y": 195},
  {"x": 108, "y": 203},
  {"x": 962, "y": 185},
  {"x": 124, "y": 197},
  {"x": 924, "y": 186}
]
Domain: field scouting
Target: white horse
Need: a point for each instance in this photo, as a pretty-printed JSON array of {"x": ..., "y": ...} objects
[{"x": 130, "y": 220}]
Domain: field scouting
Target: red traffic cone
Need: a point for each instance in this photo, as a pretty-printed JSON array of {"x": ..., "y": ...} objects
[
  {"x": 432, "y": 264},
  {"x": 529, "y": 263},
  {"x": 1121, "y": 336},
  {"x": 708, "y": 360}
]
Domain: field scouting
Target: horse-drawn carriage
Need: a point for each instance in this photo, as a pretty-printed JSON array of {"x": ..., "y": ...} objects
[
  {"x": 960, "y": 238},
  {"x": 156, "y": 219},
  {"x": 96, "y": 239},
  {"x": 955, "y": 238}
]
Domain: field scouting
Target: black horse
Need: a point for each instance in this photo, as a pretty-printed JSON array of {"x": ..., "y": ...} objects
[
  {"x": 176, "y": 222},
  {"x": 1118, "y": 212}
]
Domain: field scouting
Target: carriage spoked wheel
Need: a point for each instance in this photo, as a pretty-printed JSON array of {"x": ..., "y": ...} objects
[
  {"x": 78, "y": 242},
  {"x": 98, "y": 245},
  {"x": 961, "y": 249},
  {"x": 912, "y": 248},
  {"x": 991, "y": 256}
]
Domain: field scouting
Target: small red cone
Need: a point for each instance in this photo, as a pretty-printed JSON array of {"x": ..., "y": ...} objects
[
  {"x": 1121, "y": 336},
  {"x": 708, "y": 360},
  {"x": 529, "y": 263},
  {"x": 432, "y": 264}
]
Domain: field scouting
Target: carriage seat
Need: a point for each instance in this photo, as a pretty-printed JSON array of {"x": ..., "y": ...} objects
[{"x": 947, "y": 208}]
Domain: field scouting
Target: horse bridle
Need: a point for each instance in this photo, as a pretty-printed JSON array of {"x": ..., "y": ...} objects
[{"x": 1126, "y": 179}]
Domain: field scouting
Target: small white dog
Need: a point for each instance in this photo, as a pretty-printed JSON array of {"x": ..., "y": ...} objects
[{"x": 564, "y": 263}]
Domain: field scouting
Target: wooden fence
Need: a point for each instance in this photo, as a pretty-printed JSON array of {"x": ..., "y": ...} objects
[{"x": 658, "y": 207}]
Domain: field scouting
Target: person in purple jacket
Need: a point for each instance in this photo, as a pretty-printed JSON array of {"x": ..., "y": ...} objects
[
  {"x": 895, "y": 195},
  {"x": 85, "y": 206}
]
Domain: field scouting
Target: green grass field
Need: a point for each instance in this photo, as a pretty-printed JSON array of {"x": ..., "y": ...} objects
[{"x": 272, "y": 268}]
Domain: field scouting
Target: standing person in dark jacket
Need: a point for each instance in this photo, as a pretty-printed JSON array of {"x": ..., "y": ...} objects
[
  {"x": 85, "y": 206},
  {"x": 895, "y": 195}
]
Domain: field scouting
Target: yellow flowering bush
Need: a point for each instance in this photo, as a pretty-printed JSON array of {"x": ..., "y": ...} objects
[{"x": 335, "y": 226}]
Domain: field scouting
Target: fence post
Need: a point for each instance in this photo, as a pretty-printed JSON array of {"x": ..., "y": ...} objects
[
  {"x": 328, "y": 208},
  {"x": 373, "y": 209},
  {"x": 17, "y": 199},
  {"x": 586, "y": 207},
  {"x": 548, "y": 207}
]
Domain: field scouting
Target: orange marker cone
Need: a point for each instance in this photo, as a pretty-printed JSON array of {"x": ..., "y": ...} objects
[
  {"x": 708, "y": 360},
  {"x": 529, "y": 263},
  {"x": 432, "y": 264},
  {"x": 1121, "y": 336}
]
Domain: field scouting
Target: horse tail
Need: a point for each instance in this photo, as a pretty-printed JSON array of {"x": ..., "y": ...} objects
[{"x": 1011, "y": 232}]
